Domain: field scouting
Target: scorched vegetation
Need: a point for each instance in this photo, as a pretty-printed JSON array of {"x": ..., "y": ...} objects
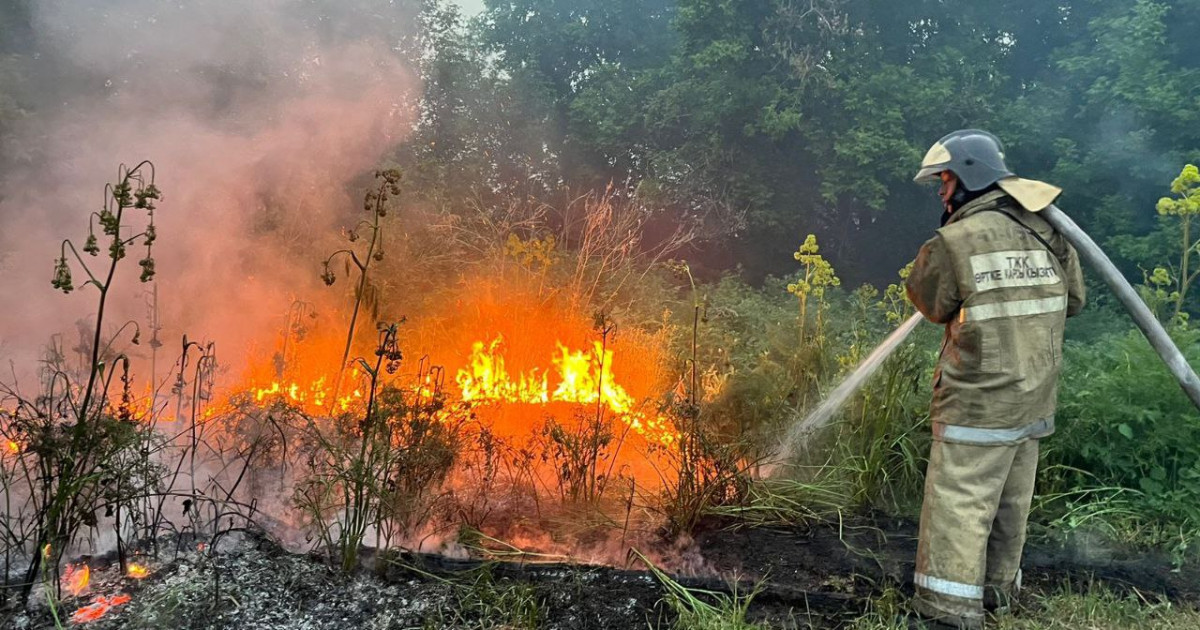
[{"x": 516, "y": 346}]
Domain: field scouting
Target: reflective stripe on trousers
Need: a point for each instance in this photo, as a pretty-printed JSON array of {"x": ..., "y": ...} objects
[
  {"x": 946, "y": 587},
  {"x": 977, "y": 500},
  {"x": 985, "y": 437},
  {"x": 958, "y": 589}
]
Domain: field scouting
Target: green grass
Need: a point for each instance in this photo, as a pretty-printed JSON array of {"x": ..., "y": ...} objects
[
  {"x": 703, "y": 610},
  {"x": 1096, "y": 608}
]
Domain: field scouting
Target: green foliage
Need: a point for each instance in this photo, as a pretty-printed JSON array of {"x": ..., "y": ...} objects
[
  {"x": 1097, "y": 607},
  {"x": 1068, "y": 606},
  {"x": 749, "y": 344},
  {"x": 747, "y": 119},
  {"x": 1183, "y": 211},
  {"x": 1187, "y": 186},
  {"x": 816, "y": 276},
  {"x": 880, "y": 446},
  {"x": 1123, "y": 422},
  {"x": 533, "y": 253},
  {"x": 75, "y": 451},
  {"x": 708, "y": 461},
  {"x": 895, "y": 305},
  {"x": 381, "y": 473}
]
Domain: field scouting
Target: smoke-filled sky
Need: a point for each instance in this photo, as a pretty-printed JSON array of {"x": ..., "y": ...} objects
[{"x": 257, "y": 116}]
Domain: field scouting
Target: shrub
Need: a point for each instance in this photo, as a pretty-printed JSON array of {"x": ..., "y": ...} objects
[{"x": 1123, "y": 422}]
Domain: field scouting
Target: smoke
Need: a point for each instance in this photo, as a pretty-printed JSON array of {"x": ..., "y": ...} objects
[{"x": 261, "y": 119}]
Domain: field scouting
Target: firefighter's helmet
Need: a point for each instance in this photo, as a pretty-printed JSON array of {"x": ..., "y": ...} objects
[{"x": 975, "y": 156}]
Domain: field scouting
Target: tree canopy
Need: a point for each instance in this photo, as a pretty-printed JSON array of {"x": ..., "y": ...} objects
[{"x": 766, "y": 119}]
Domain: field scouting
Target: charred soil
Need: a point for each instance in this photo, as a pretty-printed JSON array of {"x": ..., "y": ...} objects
[{"x": 816, "y": 577}]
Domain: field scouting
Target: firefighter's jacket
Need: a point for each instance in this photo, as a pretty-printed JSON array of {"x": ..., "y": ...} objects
[{"x": 1003, "y": 282}]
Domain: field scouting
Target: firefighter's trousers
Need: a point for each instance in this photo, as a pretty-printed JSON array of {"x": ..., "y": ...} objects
[{"x": 973, "y": 521}]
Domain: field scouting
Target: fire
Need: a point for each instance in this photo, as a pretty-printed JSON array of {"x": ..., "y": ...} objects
[
  {"x": 138, "y": 571},
  {"x": 313, "y": 396},
  {"x": 581, "y": 377},
  {"x": 138, "y": 407},
  {"x": 13, "y": 447},
  {"x": 486, "y": 379},
  {"x": 99, "y": 607},
  {"x": 76, "y": 578}
]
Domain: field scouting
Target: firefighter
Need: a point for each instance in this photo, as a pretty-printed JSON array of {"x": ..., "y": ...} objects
[{"x": 1003, "y": 282}]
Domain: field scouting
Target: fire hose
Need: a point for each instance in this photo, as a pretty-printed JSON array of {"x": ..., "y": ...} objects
[
  {"x": 1089, "y": 251},
  {"x": 1138, "y": 311}
]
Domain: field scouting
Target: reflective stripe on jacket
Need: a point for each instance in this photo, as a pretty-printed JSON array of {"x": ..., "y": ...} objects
[{"x": 1004, "y": 297}]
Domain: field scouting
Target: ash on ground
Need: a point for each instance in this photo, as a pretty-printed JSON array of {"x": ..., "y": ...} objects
[{"x": 253, "y": 583}]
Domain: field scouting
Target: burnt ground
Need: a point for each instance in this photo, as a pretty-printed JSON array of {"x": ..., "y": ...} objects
[{"x": 816, "y": 577}]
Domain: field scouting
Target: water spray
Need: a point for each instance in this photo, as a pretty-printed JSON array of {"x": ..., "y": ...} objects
[
  {"x": 828, "y": 408},
  {"x": 1090, "y": 252}
]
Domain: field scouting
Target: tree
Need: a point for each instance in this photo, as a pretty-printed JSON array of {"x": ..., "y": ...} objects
[{"x": 753, "y": 118}]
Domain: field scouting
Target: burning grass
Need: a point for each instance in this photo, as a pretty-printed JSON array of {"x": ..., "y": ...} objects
[
  {"x": 523, "y": 420},
  {"x": 531, "y": 409}
]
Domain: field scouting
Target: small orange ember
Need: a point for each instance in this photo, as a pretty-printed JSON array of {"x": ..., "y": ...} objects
[
  {"x": 13, "y": 447},
  {"x": 76, "y": 578},
  {"x": 99, "y": 607},
  {"x": 138, "y": 571}
]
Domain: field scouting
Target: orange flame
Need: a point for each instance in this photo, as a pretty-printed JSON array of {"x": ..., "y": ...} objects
[
  {"x": 13, "y": 447},
  {"x": 138, "y": 571},
  {"x": 313, "y": 396},
  {"x": 584, "y": 378},
  {"x": 99, "y": 607},
  {"x": 76, "y": 578}
]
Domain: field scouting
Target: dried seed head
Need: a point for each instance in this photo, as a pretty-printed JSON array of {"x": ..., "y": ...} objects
[
  {"x": 62, "y": 276},
  {"x": 109, "y": 223},
  {"x": 147, "y": 264}
]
